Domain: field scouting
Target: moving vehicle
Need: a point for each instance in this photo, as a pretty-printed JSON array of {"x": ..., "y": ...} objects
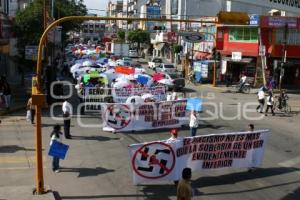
[
  {"x": 154, "y": 62},
  {"x": 117, "y": 49},
  {"x": 133, "y": 53},
  {"x": 125, "y": 61},
  {"x": 166, "y": 68},
  {"x": 177, "y": 80}
]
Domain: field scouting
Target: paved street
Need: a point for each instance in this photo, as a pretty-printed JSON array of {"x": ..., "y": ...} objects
[{"x": 98, "y": 165}]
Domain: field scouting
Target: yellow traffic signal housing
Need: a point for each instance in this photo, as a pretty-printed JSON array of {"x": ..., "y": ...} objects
[{"x": 237, "y": 18}]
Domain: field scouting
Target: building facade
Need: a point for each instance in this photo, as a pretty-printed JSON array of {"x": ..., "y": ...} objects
[
  {"x": 280, "y": 38},
  {"x": 92, "y": 31}
]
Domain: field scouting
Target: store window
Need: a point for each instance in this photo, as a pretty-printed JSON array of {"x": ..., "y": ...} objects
[
  {"x": 293, "y": 36},
  {"x": 243, "y": 34}
]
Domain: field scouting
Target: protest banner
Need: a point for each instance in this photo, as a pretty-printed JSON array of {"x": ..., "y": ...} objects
[
  {"x": 165, "y": 160},
  {"x": 94, "y": 96},
  {"x": 128, "y": 117},
  {"x": 121, "y": 94}
]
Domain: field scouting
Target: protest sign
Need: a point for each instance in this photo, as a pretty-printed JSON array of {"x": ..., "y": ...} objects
[
  {"x": 128, "y": 117},
  {"x": 165, "y": 160},
  {"x": 194, "y": 104},
  {"x": 120, "y": 95},
  {"x": 94, "y": 96},
  {"x": 58, "y": 149}
]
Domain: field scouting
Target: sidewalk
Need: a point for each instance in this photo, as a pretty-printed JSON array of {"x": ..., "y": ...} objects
[
  {"x": 19, "y": 97},
  {"x": 23, "y": 193}
]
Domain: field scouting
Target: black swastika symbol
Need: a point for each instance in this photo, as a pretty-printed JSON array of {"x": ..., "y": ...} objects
[{"x": 153, "y": 160}]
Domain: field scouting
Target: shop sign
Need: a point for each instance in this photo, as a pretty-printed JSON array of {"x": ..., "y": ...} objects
[
  {"x": 286, "y": 5},
  {"x": 254, "y": 19},
  {"x": 192, "y": 37},
  {"x": 236, "y": 56},
  {"x": 262, "y": 50}
]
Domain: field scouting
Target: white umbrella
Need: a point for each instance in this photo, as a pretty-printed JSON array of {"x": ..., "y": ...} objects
[
  {"x": 137, "y": 99},
  {"x": 75, "y": 67},
  {"x": 121, "y": 84},
  {"x": 147, "y": 96},
  {"x": 87, "y": 63},
  {"x": 166, "y": 82}
]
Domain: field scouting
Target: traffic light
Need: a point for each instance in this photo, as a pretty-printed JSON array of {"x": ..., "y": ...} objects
[{"x": 215, "y": 54}]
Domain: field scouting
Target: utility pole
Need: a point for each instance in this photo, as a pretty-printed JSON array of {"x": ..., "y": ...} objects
[{"x": 284, "y": 52}]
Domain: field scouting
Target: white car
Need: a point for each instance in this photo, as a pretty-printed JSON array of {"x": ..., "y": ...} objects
[
  {"x": 166, "y": 68},
  {"x": 133, "y": 54},
  {"x": 154, "y": 62}
]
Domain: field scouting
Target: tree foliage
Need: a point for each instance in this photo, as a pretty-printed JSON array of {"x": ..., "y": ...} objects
[
  {"x": 29, "y": 22},
  {"x": 177, "y": 48},
  {"x": 121, "y": 35},
  {"x": 139, "y": 36}
]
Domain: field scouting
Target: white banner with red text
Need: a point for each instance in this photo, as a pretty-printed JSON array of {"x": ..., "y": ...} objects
[
  {"x": 165, "y": 160},
  {"x": 153, "y": 115}
]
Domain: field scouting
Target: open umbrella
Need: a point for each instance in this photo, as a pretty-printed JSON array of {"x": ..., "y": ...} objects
[
  {"x": 136, "y": 99},
  {"x": 166, "y": 82},
  {"x": 121, "y": 84},
  {"x": 147, "y": 96},
  {"x": 87, "y": 63}
]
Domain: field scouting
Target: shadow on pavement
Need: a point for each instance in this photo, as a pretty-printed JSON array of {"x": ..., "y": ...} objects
[
  {"x": 105, "y": 196},
  {"x": 13, "y": 149},
  {"x": 241, "y": 176},
  {"x": 84, "y": 172},
  {"x": 96, "y": 138},
  {"x": 292, "y": 195}
]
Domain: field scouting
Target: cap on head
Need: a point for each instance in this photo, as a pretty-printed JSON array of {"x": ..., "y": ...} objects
[{"x": 174, "y": 131}]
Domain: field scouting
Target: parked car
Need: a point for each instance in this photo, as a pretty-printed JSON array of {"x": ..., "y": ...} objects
[
  {"x": 133, "y": 53},
  {"x": 125, "y": 61},
  {"x": 166, "y": 68},
  {"x": 154, "y": 62}
]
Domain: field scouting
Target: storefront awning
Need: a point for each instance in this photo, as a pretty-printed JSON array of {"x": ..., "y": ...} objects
[{"x": 243, "y": 60}]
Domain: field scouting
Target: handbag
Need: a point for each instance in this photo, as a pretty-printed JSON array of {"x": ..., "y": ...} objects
[{"x": 28, "y": 115}]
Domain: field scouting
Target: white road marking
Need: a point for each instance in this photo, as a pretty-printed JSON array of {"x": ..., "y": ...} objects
[{"x": 290, "y": 162}]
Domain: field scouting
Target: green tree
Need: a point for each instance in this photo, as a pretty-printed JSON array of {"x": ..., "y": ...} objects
[
  {"x": 121, "y": 35},
  {"x": 29, "y": 22},
  {"x": 139, "y": 36}
]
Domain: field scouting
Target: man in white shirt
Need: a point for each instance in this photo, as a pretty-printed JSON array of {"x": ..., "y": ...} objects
[
  {"x": 242, "y": 81},
  {"x": 67, "y": 112},
  {"x": 261, "y": 100},
  {"x": 193, "y": 123}
]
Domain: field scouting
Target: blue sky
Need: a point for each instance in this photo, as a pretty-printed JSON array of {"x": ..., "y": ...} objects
[{"x": 96, "y": 4}]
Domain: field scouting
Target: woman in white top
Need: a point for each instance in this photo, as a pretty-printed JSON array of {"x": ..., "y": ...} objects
[
  {"x": 270, "y": 103},
  {"x": 193, "y": 123},
  {"x": 55, "y": 135}
]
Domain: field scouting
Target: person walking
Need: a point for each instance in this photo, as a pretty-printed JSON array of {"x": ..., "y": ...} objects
[
  {"x": 55, "y": 135},
  {"x": 32, "y": 109},
  {"x": 270, "y": 103},
  {"x": 6, "y": 94},
  {"x": 193, "y": 123},
  {"x": 173, "y": 139},
  {"x": 67, "y": 111},
  {"x": 184, "y": 189},
  {"x": 261, "y": 100}
]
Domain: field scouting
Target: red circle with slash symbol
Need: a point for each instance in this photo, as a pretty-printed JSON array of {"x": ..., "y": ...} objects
[{"x": 153, "y": 160}]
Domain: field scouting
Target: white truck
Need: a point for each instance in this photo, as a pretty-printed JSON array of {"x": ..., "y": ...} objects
[
  {"x": 154, "y": 62},
  {"x": 119, "y": 49}
]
